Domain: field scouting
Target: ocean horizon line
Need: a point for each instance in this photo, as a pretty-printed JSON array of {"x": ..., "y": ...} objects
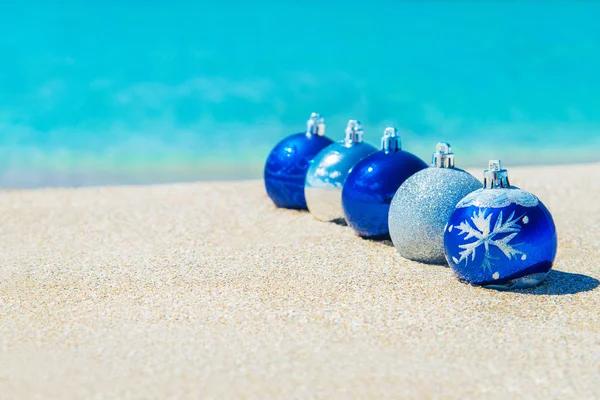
[{"x": 251, "y": 172}]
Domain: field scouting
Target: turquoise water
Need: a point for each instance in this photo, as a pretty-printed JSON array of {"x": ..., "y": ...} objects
[{"x": 156, "y": 91}]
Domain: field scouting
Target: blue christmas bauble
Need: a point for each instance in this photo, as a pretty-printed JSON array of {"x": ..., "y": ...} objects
[
  {"x": 500, "y": 236},
  {"x": 422, "y": 205},
  {"x": 288, "y": 162},
  {"x": 328, "y": 171},
  {"x": 372, "y": 183}
]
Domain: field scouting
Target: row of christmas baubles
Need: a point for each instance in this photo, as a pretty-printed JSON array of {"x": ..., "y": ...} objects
[{"x": 496, "y": 236}]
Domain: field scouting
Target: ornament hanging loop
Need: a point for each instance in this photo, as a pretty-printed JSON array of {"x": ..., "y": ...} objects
[
  {"x": 354, "y": 132},
  {"x": 495, "y": 176},
  {"x": 315, "y": 125},
  {"x": 390, "y": 142},
  {"x": 443, "y": 156}
]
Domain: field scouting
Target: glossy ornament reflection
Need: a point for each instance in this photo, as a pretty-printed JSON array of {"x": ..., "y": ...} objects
[
  {"x": 372, "y": 183},
  {"x": 328, "y": 171},
  {"x": 288, "y": 162},
  {"x": 423, "y": 204},
  {"x": 500, "y": 236}
]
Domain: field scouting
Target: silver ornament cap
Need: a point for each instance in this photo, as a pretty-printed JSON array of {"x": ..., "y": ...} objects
[
  {"x": 443, "y": 156},
  {"x": 391, "y": 141},
  {"x": 328, "y": 171},
  {"x": 495, "y": 176},
  {"x": 423, "y": 204},
  {"x": 354, "y": 132},
  {"x": 315, "y": 125}
]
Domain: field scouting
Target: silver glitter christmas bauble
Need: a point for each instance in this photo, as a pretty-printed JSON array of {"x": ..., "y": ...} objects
[
  {"x": 328, "y": 171},
  {"x": 423, "y": 204}
]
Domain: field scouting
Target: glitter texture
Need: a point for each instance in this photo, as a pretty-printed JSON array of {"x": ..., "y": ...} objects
[
  {"x": 326, "y": 176},
  {"x": 500, "y": 197},
  {"x": 421, "y": 208}
]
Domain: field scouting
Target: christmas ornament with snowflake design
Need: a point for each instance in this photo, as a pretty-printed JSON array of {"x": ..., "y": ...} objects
[{"x": 500, "y": 236}]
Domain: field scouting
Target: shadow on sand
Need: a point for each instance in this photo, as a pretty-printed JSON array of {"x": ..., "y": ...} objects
[
  {"x": 556, "y": 283},
  {"x": 382, "y": 239},
  {"x": 340, "y": 222},
  {"x": 560, "y": 283}
]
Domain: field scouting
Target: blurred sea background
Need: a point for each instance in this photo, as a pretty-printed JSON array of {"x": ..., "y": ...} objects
[{"x": 127, "y": 92}]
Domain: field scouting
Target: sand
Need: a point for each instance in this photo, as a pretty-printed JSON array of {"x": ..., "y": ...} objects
[{"x": 205, "y": 290}]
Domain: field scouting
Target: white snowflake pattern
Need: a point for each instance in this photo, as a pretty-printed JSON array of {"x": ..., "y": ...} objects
[{"x": 488, "y": 237}]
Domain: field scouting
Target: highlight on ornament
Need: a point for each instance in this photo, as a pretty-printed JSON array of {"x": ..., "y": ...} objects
[{"x": 500, "y": 236}]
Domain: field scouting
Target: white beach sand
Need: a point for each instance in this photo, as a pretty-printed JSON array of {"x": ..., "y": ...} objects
[{"x": 206, "y": 290}]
